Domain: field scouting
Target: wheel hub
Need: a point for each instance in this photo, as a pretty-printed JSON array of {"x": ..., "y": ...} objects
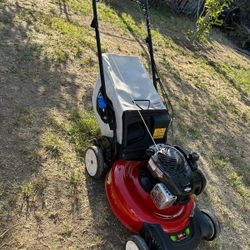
[
  {"x": 131, "y": 246},
  {"x": 91, "y": 162}
]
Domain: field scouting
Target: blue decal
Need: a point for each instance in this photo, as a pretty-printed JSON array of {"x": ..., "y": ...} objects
[{"x": 101, "y": 102}]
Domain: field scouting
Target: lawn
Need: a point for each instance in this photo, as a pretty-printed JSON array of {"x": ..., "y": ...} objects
[{"x": 48, "y": 67}]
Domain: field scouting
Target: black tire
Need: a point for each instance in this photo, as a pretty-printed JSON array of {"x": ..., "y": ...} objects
[
  {"x": 138, "y": 242},
  {"x": 154, "y": 237},
  {"x": 94, "y": 162},
  {"x": 214, "y": 222}
]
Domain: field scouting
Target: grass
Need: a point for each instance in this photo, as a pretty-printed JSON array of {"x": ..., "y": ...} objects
[
  {"x": 67, "y": 228},
  {"x": 64, "y": 40},
  {"x": 83, "y": 129},
  {"x": 70, "y": 136},
  {"x": 233, "y": 178},
  {"x": 53, "y": 143},
  {"x": 34, "y": 192},
  {"x": 209, "y": 88},
  {"x": 26, "y": 117},
  {"x": 68, "y": 39},
  {"x": 80, "y": 6},
  {"x": 242, "y": 77},
  {"x": 76, "y": 178},
  {"x": 27, "y": 191},
  {"x": 236, "y": 182},
  {"x": 40, "y": 183}
]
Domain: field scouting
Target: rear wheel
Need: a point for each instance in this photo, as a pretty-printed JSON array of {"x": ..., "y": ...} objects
[
  {"x": 136, "y": 243},
  {"x": 214, "y": 223},
  {"x": 94, "y": 162}
]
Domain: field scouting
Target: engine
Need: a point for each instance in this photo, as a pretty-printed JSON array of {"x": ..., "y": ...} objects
[{"x": 173, "y": 175}]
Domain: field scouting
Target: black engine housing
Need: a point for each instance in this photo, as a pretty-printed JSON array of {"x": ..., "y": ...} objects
[{"x": 177, "y": 169}]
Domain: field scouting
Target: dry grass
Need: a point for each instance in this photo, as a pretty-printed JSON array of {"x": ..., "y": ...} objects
[{"x": 47, "y": 69}]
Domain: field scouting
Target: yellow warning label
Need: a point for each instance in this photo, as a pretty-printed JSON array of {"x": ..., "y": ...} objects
[{"x": 159, "y": 133}]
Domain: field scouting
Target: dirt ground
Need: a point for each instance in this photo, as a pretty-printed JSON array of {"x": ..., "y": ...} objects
[{"x": 47, "y": 70}]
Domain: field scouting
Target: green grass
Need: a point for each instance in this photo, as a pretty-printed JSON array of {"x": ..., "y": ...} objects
[
  {"x": 242, "y": 77},
  {"x": 84, "y": 128},
  {"x": 53, "y": 143},
  {"x": 58, "y": 147},
  {"x": 74, "y": 133},
  {"x": 27, "y": 191},
  {"x": 236, "y": 182},
  {"x": 233, "y": 178},
  {"x": 75, "y": 178},
  {"x": 67, "y": 38},
  {"x": 63, "y": 40},
  {"x": 80, "y": 6},
  {"x": 236, "y": 75}
]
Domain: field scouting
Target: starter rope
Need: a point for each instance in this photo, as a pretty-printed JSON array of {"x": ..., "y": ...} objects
[{"x": 133, "y": 101}]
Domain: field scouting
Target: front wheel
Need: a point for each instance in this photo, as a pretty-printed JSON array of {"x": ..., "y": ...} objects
[
  {"x": 154, "y": 236},
  {"x": 214, "y": 223},
  {"x": 136, "y": 243},
  {"x": 94, "y": 162}
]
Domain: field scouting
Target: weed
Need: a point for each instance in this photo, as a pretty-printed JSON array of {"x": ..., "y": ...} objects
[
  {"x": 68, "y": 157},
  {"x": 77, "y": 130},
  {"x": 33, "y": 192},
  {"x": 30, "y": 52},
  {"x": 59, "y": 148},
  {"x": 27, "y": 191},
  {"x": 220, "y": 164},
  {"x": 236, "y": 182},
  {"x": 27, "y": 196}
]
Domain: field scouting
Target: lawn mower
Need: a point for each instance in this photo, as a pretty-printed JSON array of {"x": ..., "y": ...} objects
[{"x": 150, "y": 184}]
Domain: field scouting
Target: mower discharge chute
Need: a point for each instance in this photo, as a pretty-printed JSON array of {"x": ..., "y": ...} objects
[{"x": 149, "y": 184}]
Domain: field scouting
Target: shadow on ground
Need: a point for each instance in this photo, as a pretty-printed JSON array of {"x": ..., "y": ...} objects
[{"x": 30, "y": 85}]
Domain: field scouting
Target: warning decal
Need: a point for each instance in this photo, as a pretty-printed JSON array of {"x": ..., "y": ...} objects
[{"x": 159, "y": 133}]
